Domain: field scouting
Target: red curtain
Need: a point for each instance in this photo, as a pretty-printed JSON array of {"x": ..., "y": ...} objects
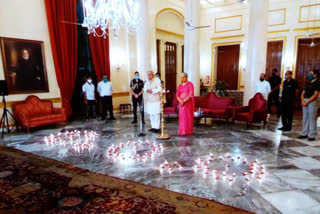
[
  {"x": 99, "y": 48},
  {"x": 63, "y": 38}
]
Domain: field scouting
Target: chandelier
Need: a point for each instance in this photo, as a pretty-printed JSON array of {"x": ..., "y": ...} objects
[{"x": 101, "y": 15}]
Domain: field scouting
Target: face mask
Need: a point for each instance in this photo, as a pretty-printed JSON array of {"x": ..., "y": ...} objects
[
  {"x": 158, "y": 77},
  {"x": 261, "y": 79},
  {"x": 89, "y": 81},
  {"x": 136, "y": 77},
  {"x": 105, "y": 79},
  {"x": 310, "y": 77}
]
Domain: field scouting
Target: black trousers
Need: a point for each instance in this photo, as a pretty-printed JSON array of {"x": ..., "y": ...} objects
[
  {"x": 106, "y": 105},
  {"x": 274, "y": 98},
  {"x": 135, "y": 103},
  {"x": 287, "y": 113},
  {"x": 91, "y": 108}
]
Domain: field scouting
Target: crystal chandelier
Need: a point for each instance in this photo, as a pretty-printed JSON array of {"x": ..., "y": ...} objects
[{"x": 101, "y": 15}]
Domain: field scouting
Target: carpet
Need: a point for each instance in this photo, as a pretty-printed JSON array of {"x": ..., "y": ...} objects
[{"x": 34, "y": 184}]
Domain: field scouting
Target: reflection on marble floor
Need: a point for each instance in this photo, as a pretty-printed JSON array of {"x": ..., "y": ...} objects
[{"x": 291, "y": 183}]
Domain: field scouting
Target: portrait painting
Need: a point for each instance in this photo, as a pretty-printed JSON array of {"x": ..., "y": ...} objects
[{"x": 24, "y": 66}]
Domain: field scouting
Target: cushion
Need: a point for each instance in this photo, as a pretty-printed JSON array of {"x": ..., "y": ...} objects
[
  {"x": 51, "y": 117},
  {"x": 214, "y": 111}
]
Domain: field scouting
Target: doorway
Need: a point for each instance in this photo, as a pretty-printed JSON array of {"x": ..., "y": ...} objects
[
  {"x": 308, "y": 59},
  {"x": 228, "y": 66},
  {"x": 171, "y": 66},
  {"x": 274, "y": 57}
]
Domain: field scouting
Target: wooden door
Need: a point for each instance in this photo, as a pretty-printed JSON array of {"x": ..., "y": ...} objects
[
  {"x": 274, "y": 57},
  {"x": 171, "y": 66},
  {"x": 308, "y": 59},
  {"x": 228, "y": 65}
]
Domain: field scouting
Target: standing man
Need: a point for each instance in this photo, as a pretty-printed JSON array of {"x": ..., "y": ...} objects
[
  {"x": 263, "y": 87},
  {"x": 309, "y": 101},
  {"x": 88, "y": 90},
  {"x": 105, "y": 91},
  {"x": 275, "y": 82},
  {"x": 287, "y": 101},
  {"x": 136, "y": 89},
  {"x": 152, "y": 90}
]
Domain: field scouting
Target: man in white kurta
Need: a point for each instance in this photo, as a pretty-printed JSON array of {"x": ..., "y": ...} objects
[
  {"x": 263, "y": 87},
  {"x": 152, "y": 89}
]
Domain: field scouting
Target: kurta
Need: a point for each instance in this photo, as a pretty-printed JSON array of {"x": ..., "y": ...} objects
[
  {"x": 186, "y": 111},
  {"x": 152, "y": 101}
]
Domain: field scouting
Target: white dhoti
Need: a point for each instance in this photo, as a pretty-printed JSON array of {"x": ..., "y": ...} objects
[
  {"x": 152, "y": 102},
  {"x": 153, "y": 109}
]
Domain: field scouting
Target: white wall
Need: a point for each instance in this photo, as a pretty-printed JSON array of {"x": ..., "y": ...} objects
[{"x": 28, "y": 20}]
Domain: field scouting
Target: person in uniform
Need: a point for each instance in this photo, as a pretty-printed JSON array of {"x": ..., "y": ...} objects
[
  {"x": 136, "y": 89},
  {"x": 152, "y": 89},
  {"x": 275, "y": 82},
  {"x": 287, "y": 101}
]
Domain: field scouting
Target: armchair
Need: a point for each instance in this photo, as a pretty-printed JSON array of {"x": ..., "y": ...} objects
[{"x": 256, "y": 111}]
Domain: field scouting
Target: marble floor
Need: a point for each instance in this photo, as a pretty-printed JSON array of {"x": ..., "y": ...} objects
[{"x": 290, "y": 183}]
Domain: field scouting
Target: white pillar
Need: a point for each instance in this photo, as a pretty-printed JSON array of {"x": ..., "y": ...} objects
[
  {"x": 256, "y": 46},
  {"x": 143, "y": 41},
  {"x": 191, "y": 44}
]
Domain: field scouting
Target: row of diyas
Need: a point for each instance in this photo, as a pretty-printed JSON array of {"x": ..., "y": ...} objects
[
  {"x": 169, "y": 167},
  {"x": 77, "y": 141},
  {"x": 255, "y": 170},
  {"x": 129, "y": 151}
]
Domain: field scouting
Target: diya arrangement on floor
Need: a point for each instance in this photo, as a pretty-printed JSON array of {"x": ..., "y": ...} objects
[{"x": 151, "y": 95}]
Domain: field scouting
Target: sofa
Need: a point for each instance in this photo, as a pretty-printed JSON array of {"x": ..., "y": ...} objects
[
  {"x": 35, "y": 112},
  {"x": 211, "y": 105},
  {"x": 171, "y": 108},
  {"x": 255, "y": 112}
]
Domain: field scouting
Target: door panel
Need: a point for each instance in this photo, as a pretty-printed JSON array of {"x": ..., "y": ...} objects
[
  {"x": 228, "y": 65},
  {"x": 274, "y": 57},
  {"x": 171, "y": 66},
  {"x": 308, "y": 59}
]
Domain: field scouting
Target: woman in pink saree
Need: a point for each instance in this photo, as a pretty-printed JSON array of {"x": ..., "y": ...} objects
[{"x": 186, "y": 105}]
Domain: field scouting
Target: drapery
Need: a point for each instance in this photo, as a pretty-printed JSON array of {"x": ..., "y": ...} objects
[
  {"x": 99, "y": 48},
  {"x": 63, "y": 39}
]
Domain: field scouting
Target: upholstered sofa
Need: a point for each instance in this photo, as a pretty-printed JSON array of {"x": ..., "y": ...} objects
[
  {"x": 35, "y": 112},
  {"x": 171, "y": 108},
  {"x": 255, "y": 112},
  {"x": 211, "y": 105},
  {"x": 214, "y": 106}
]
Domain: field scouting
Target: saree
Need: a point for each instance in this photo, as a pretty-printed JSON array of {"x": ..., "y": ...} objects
[{"x": 186, "y": 111}]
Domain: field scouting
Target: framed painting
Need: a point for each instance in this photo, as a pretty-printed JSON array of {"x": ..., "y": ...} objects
[{"x": 24, "y": 66}]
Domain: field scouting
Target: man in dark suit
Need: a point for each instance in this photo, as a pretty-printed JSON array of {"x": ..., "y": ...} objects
[{"x": 287, "y": 101}]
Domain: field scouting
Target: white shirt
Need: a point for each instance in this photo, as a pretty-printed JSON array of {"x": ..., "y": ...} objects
[
  {"x": 89, "y": 90},
  {"x": 105, "y": 88},
  {"x": 264, "y": 88}
]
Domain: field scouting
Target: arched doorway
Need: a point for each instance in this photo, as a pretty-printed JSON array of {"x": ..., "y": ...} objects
[{"x": 170, "y": 40}]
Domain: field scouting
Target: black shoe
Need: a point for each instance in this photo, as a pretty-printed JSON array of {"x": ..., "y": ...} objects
[
  {"x": 302, "y": 137},
  {"x": 112, "y": 118},
  {"x": 151, "y": 130},
  {"x": 143, "y": 122},
  {"x": 287, "y": 130},
  {"x": 133, "y": 122},
  {"x": 311, "y": 139},
  {"x": 282, "y": 128},
  {"x": 103, "y": 118},
  {"x": 156, "y": 130}
]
